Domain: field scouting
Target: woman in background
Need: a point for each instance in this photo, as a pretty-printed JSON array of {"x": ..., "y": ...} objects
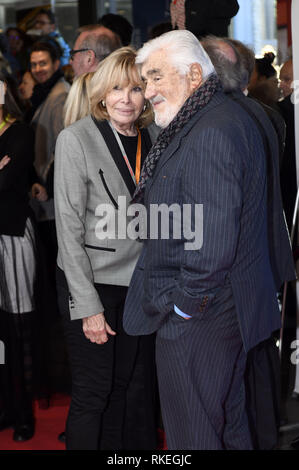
[
  {"x": 263, "y": 84},
  {"x": 17, "y": 270},
  {"x": 26, "y": 86}
]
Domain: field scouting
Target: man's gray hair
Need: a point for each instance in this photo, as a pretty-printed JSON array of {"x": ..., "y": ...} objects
[
  {"x": 101, "y": 44},
  {"x": 183, "y": 49},
  {"x": 233, "y": 61}
]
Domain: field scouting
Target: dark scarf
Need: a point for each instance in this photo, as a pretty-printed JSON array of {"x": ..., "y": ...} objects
[
  {"x": 42, "y": 90},
  {"x": 193, "y": 104}
]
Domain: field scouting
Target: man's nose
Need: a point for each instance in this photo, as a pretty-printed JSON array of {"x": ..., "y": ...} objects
[{"x": 149, "y": 91}]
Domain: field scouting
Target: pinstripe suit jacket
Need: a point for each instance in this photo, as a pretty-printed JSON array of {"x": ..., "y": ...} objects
[
  {"x": 217, "y": 160},
  {"x": 280, "y": 250}
]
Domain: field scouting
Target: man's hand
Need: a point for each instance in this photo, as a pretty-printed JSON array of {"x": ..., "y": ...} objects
[
  {"x": 4, "y": 161},
  {"x": 96, "y": 329},
  {"x": 39, "y": 192}
]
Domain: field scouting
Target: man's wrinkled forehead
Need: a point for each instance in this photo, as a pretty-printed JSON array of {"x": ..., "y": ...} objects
[{"x": 156, "y": 64}]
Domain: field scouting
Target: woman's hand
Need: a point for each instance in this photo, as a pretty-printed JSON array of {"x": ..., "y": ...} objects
[
  {"x": 39, "y": 192},
  {"x": 4, "y": 161},
  {"x": 96, "y": 329}
]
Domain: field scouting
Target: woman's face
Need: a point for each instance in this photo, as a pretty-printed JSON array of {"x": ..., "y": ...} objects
[
  {"x": 26, "y": 86},
  {"x": 124, "y": 105}
]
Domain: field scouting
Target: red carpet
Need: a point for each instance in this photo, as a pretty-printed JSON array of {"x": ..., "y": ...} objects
[{"x": 49, "y": 423}]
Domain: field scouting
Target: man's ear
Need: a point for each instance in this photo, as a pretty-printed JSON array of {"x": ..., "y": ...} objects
[
  {"x": 56, "y": 64},
  {"x": 195, "y": 76},
  {"x": 91, "y": 57}
]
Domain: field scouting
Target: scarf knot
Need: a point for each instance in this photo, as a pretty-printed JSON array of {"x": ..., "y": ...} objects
[{"x": 198, "y": 100}]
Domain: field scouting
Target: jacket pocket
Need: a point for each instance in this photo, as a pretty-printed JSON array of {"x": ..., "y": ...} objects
[
  {"x": 107, "y": 189},
  {"x": 93, "y": 247}
]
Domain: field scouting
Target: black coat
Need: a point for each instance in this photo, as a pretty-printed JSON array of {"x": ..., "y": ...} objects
[
  {"x": 288, "y": 179},
  {"x": 15, "y": 178},
  {"x": 209, "y": 17}
]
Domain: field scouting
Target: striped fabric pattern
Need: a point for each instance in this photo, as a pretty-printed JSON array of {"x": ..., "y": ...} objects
[
  {"x": 226, "y": 285},
  {"x": 201, "y": 385},
  {"x": 17, "y": 271}
]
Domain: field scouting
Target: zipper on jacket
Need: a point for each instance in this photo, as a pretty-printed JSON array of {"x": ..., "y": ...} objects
[{"x": 107, "y": 189}]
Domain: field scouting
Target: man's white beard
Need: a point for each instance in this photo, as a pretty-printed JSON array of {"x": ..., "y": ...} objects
[{"x": 162, "y": 119}]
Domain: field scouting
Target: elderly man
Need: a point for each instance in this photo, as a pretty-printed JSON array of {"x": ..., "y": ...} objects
[
  {"x": 231, "y": 60},
  {"x": 92, "y": 45},
  {"x": 204, "y": 300}
]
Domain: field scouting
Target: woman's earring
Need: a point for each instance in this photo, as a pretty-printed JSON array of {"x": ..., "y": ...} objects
[
  {"x": 103, "y": 103},
  {"x": 144, "y": 107}
]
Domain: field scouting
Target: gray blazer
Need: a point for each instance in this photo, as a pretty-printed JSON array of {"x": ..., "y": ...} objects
[{"x": 90, "y": 171}]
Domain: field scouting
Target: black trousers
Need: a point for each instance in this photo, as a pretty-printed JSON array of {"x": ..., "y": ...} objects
[
  {"x": 262, "y": 384},
  {"x": 101, "y": 374},
  {"x": 16, "y": 374}
]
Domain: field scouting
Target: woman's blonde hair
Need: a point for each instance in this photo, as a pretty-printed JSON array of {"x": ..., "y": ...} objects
[
  {"x": 118, "y": 69},
  {"x": 77, "y": 105}
]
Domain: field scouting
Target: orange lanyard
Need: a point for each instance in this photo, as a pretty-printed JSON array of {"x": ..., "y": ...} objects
[
  {"x": 138, "y": 157},
  {"x": 135, "y": 177}
]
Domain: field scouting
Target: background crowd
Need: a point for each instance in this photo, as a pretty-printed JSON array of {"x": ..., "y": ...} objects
[{"x": 58, "y": 98}]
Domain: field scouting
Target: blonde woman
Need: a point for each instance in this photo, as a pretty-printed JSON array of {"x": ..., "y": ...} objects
[{"x": 98, "y": 159}]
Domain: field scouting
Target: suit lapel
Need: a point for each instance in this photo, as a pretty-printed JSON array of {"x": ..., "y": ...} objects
[{"x": 115, "y": 152}]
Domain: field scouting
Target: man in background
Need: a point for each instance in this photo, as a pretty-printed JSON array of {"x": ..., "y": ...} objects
[
  {"x": 45, "y": 23},
  {"x": 48, "y": 98},
  {"x": 94, "y": 43},
  {"x": 262, "y": 378},
  {"x": 288, "y": 170}
]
